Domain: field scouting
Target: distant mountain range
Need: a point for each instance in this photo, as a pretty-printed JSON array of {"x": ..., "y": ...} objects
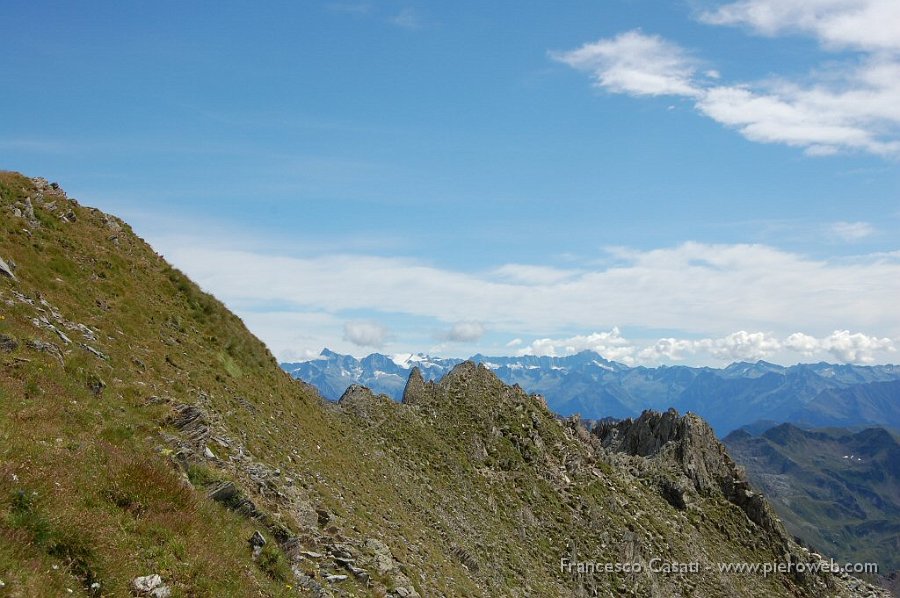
[
  {"x": 838, "y": 490},
  {"x": 819, "y": 394}
]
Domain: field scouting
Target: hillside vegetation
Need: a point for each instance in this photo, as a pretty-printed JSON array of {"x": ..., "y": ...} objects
[
  {"x": 144, "y": 431},
  {"x": 838, "y": 490}
]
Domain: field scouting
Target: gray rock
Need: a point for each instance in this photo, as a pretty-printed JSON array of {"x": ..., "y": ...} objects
[
  {"x": 687, "y": 445},
  {"x": 341, "y": 552},
  {"x": 230, "y": 496},
  {"x": 415, "y": 390},
  {"x": 44, "y": 347},
  {"x": 6, "y": 270},
  {"x": 304, "y": 514},
  {"x": 382, "y": 559},
  {"x": 360, "y": 574},
  {"x": 312, "y": 555},
  {"x": 8, "y": 344},
  {"x": 112, "y": 223},
  {"x": 257, "y": 539},
  {"x": 95, "y": 352},
  {"x": 361, "y": 401},
  {"x": 310, "y": 585},
  {"x": 151, "y": 585},
  {"x": 335, "y": 578},
  {"x": 28, "y": 212}
]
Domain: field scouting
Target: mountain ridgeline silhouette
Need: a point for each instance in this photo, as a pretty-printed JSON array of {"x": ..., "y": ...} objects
[{"x": 587, "y": 384}]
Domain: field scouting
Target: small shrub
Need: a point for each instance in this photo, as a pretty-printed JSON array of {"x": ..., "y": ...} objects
[{"x": 272, "y": 561}]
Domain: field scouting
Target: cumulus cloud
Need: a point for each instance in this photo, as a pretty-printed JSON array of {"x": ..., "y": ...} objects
[
  {"x": 610, "y": 344},
  {"x": 846, "y": 347},
  {"x": 856, "y": 348},
  {"x": 465, "y": 332},
  {"x": 744, "y": 346},
  {"x": 842, "y": 345},
  {"x": 366, "y": 334},
  {"x": 802, "y": 343},
  {"x": 737, "y": 346},
  {"x": 635, "y": 63},
  {"x": 855, "y": 107}
]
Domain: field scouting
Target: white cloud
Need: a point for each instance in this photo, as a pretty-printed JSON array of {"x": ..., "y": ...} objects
[
  {"x": 709, "y": 290},
  {"x": 816, "y": 118},
  {"x": 672, "y": 349},
  {"x": 737, "y": 346},
  {"x": 802, "y": 343},
  {"x": 744, "y": 346},
  {"x": 870, "y": 25},
  {"x": 854, "y": 107},
  {"x": 857, "y": 109},
  {"x": 852, "y": 231},
  {"x": 295, "y": 335},
  {"x": 465, "y": 332},
  {"x": 366, "y": 334},
  {"x": 611, "y": 344},
  {"x": 841, "y": 344},
  {"x": 635, "y": 63},
  {"x": 514, "y": 342},
  {"x": 856, "y": 348}
]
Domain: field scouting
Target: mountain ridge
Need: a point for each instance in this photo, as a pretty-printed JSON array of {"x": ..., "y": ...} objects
[{"x": 586, "y": 383}]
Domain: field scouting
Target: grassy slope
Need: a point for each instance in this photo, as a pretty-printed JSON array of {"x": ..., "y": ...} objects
[{"x": 477, "y": 493}]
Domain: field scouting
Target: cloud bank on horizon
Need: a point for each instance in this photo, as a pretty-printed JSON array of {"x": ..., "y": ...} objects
[
  {"x": 851, "y": 102},
  {"x": 721, "y": 303}
]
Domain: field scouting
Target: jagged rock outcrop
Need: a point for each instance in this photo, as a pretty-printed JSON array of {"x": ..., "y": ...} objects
[
  {"x": 701, "y": 462},
  {"x": 416, "y": 389},
  {"x": 361, "y": 401}
]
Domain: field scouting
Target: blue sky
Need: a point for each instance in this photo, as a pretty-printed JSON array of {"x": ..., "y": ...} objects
[{"x": 690, "y": 182}]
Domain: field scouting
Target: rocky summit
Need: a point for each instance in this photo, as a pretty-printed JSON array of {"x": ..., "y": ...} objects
[{"x": 151, "y": 446}]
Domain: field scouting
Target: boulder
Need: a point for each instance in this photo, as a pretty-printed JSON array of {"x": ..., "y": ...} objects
[
  {"x": 151, "y": 585},
  {"x": 6, "y": 270}
]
